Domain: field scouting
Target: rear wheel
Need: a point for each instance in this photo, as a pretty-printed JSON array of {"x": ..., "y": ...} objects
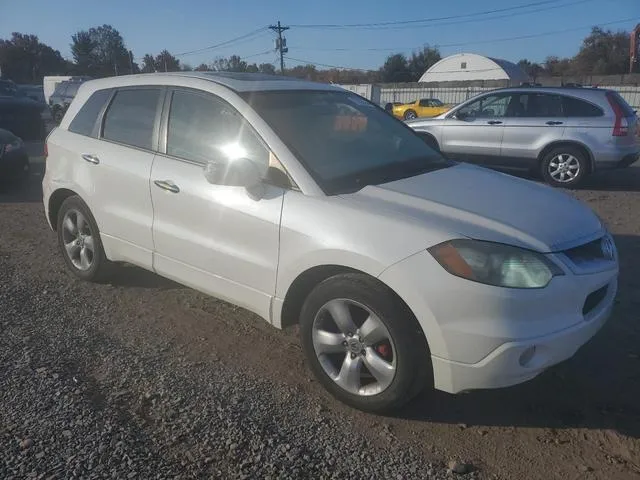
[
  {"x": 565, "y": 167},
  {"x": 362, "y": 344},
  {"x": 410, "y": 115},
  {"x": 79, "y": 241}
]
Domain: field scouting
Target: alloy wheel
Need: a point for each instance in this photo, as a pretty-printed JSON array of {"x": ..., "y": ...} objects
[
  {"x": 79, "y": 243},
  {"x": 354, "y": 347},
  {"x": 564, "y": 168}
]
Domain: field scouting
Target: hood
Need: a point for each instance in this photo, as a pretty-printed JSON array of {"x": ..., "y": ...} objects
[{"x": 475, "y": 202}]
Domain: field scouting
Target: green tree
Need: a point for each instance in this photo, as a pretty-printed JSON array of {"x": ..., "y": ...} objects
[
  {"x": 109, "y": 55},
  {"x": 533, "y": 69},
  {"x": 165, "y": 62},
  {"x": 396, "y": 69},
  {"x": 24, "y": 59},
  {"x": 421, "y": 61},
  {"x": 148, "y": 64},
  {"x": 82, "y": 49},
  {"x": 267, "y": 68},
  {"x": 603, "y": 52},
  {"x": 203, "y": 67}
]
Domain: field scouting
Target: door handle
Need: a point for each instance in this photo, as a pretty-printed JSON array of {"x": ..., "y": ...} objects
[
  {"x": 90, "y": 158},
  {"x": 494, "y": 122},
  {"x": 167, "y": 185},
  {"x": 551, "y": 122}
]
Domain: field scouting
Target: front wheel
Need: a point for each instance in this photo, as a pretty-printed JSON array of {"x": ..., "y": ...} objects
[
  {"x": 565, "y": 167},
  {"x": 362, "y": 343}
]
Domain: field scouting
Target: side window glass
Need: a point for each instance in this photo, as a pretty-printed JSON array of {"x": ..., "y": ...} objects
[
  {"x": 85, "y": 119},
  {"x": 202, "y": 126},
  {"x": 131, "y": 117},
  {"x": 577, "y": 108},
  {"x": 425, "y": 103},
  {"x": 487, "y": 107},
  {"x": 544, "y": 105}
]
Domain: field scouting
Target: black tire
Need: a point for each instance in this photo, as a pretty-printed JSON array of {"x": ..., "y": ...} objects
[
  {"x": 574, "y": 156},
  {"x": 413, "y": 369},
  {"x": 410, "y": 114},
  {"x": 100, "y": 267}
]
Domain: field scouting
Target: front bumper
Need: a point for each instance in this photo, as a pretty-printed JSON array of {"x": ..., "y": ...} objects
[
  {"x": 518, "y": 361},
  {"x": 477, "y": 334}
]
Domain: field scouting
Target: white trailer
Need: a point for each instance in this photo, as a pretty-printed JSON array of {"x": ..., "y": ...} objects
[{"x": 49, "y": 85}]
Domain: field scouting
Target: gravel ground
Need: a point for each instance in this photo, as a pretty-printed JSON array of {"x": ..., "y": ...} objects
[{"x": 144, "y": 378}]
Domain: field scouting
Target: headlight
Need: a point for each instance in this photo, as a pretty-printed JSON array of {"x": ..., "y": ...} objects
[{"x": 495, "y": 264}]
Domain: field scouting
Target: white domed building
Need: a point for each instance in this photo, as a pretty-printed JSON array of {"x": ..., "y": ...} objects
[{"x": 470, "y": 66}]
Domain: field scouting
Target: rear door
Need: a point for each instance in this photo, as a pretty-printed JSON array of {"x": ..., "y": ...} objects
[
  {"x": 533, "y": 120},
  {"x": 474, "y": 132},
  {"x": 120, "y": 168}
]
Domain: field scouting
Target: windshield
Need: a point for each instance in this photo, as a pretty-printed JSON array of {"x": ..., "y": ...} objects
[
  {"x": 436, "y": 103},
  {"x": 344, "y": 141}
]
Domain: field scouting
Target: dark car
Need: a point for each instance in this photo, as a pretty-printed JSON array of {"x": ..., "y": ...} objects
[
  {"x": 14, "y": 160},
  {"x": 19, "y": 113},
  {"x": 62, "y": 97}
]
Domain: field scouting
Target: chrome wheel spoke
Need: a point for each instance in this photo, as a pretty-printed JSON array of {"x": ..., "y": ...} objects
[
  {"x": 373, "y": 330},
  {"x": 85, "y": 261},
  {"x": 70, "y": 226},
  {"x": 341, "y": 315},
  {"x": 72, "y": 249},
  {"x": 381, "y": 370},
  {"x": 88, "y": 244},
  {"x": 349, "y": 376},
  {"x": 81, "y": 222},
  {"x": 327, "y": 342}
]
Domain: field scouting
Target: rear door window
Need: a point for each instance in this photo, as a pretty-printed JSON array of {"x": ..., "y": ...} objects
[
  {"x": 85, "y": 120},
  {"x": 130, "y": 118},
  {"x": 574, "y": 107},
  {"x": 543, "y": 105}
]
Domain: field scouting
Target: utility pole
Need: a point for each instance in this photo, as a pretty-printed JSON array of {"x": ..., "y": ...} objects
[{"x": 281, "y": 43}]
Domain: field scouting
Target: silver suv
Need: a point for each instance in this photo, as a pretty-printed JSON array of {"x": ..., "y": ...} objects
[{"x": 562, "y": 133}]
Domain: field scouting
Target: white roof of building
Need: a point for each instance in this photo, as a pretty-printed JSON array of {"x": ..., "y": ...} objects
[
  {"x": 239, "y": 82},
  {"x": 470, "y": 66}
]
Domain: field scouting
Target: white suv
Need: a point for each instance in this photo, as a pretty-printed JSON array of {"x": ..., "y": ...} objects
[{"x": 305, "y": 203}]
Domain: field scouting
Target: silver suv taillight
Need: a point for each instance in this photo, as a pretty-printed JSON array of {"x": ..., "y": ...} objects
[{"x": 621, "y": 125}]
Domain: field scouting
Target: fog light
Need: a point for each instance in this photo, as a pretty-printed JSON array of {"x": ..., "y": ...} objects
[{"x": 527, "y": 355}]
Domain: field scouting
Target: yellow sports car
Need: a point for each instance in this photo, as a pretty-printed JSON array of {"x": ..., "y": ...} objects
[{"x": 425, "y": 107}]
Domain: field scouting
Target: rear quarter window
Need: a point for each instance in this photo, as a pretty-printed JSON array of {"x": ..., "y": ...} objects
[
  {"x": 85, "y": 120},
  {"x": 574, "y": 107}
]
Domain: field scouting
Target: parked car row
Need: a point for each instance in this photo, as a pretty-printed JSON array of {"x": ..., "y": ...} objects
[
  {"x": 19, "y": 113},
  {"x": 563, "y": 134},
  {"x": 307, "y": 204}
]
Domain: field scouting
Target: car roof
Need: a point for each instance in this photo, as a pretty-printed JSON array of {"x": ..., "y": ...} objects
[{"x": 239, "y": 82}]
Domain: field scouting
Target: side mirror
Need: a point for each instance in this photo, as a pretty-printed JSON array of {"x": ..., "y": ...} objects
[{"x": 233, "y": 172}]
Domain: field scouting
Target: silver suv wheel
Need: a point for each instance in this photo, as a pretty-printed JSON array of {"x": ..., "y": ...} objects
[{"x": 564, "y": 168}]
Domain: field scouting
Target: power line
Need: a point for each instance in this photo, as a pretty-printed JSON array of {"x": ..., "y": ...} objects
[
  {"x": 222, "y": 44},
  {"x": 415, "y": 23},
  {"x": 475, "y": 42}
]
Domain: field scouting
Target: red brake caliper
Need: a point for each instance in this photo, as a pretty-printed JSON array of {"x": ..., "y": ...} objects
[{"x": 383, "y": 350}]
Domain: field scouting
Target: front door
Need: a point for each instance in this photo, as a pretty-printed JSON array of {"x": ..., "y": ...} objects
[
  {"x": 215, "y": 238},
  {"x": 474, "y": 132}
]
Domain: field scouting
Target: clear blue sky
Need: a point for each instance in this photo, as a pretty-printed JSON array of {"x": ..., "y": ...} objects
[{"x": 186, "y": 25}]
